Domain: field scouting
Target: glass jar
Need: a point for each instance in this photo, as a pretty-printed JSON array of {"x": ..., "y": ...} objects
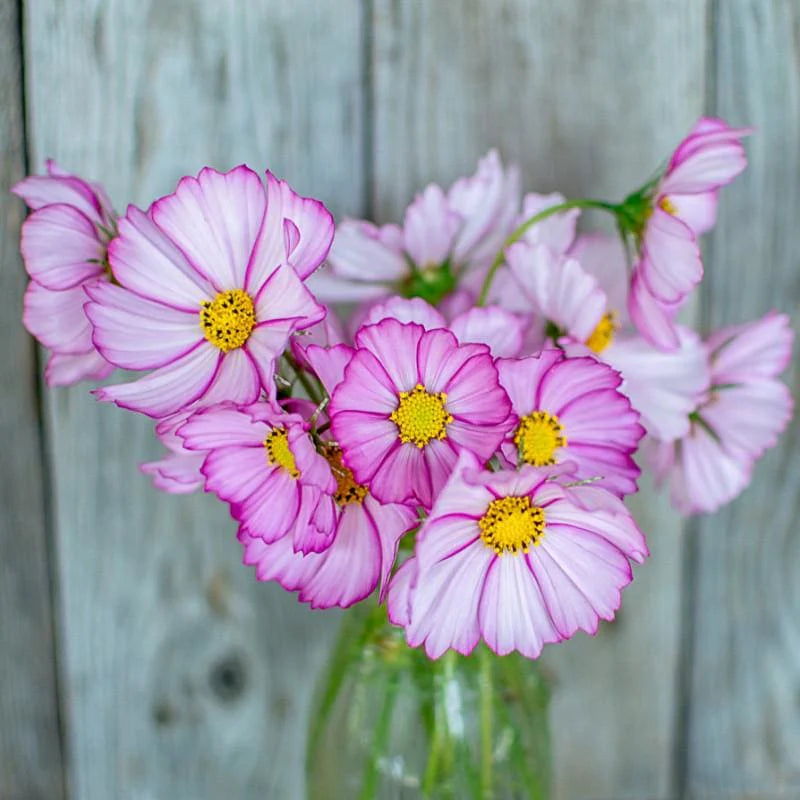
[{"x": 387, "y": 722}]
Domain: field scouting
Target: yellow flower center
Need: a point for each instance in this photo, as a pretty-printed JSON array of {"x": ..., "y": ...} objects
[
  {"x": 511, "y": 524},
  {"x": 347, "y": 490},
  {"x": 537, "y": 438},
  {"x": 602, "y": 336},
  {"x": 279, "y": 452},
  {"x": 421, "y": 416},
  {"x": 667, "y": 205},
  {"x": 228, "y": 319}
]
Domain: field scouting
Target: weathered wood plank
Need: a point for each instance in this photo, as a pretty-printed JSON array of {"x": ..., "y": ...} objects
[
  {"x": 588, "y": 98},
  {"x": 30, "y": 749},
  {"x": 185, "y": 677},
  {"x": 744, "y": 723}
]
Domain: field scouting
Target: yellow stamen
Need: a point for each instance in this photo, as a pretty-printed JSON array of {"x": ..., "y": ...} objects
[
  {"x": 347, "y": 490},
  {"x": 602, "y": 336},
  {"x": 421, "y": 416},
  {"x": 537, "y": 438},
  {"x": 279, "y": 452},
  {"x": 667, "y": 205},
  {"x": 228, "y": 319},
  {"x": 512, "y": 524}
]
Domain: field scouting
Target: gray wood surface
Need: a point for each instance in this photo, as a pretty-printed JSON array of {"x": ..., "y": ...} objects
[
  {"x": 564, "y": 90},
  {"x": 744, "y": 717},
  {"x": 30, "y": 749},
  {"x": 182, "y": 677}
]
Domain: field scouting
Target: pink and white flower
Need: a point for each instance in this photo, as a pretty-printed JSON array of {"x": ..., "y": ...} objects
[
  {"x": 516, "y": 559},
  {"x": 366, "y": 532},
  {"x": 681, "y": 207},
  {"x": 740, "y": 418},
  {"x": 444, "y": 234},
  {"x": 263, "y": 463},
  {"x": 64, "y": 244},
  {"x": 210, "y": 289},
  {"x": 410, "y": 400},
  {"x": 571, "y": 409},
  {"x": 64, "y": 240}
]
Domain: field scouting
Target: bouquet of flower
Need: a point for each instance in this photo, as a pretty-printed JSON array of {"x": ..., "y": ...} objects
[{"x": 464, "y": 440}]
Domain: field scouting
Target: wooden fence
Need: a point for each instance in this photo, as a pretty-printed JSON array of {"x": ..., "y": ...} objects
[{"x": 138, "y": 659}]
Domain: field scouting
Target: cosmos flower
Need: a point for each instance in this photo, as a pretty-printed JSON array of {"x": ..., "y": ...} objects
[
  {"x": 516, "y": 559},
  {"x": 209, "y": 290},
  {"x": 410, "y": 400},
  {"x": 444, "y": 235},
  {"x": 741, "y": 417},
  {"x": 64, "y": 247},
  {"x": 262, "y": 462},
  {"x": 571, "y": 409},
  {"x": 680, "y": 207}
]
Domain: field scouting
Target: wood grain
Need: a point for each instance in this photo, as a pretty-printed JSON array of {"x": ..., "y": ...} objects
[
  {"x": 588, "y": 98},
  {"x": 744, "y": 712},
  {"x": 30, "y": 749},
  {"x": 184, "y": 677}
]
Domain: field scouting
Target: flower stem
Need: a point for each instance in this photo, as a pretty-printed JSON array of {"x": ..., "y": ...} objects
[
  {"x": 312, "y": 391},
  {"x": 486, "y": 689},
  {"x": 517, "y": 234},
  {"x": 378, "y": 751}
]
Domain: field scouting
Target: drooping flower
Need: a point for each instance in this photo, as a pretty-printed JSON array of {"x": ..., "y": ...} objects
[
  {"x": 571, "y": 409},
  {"x": 667, "y": 219},
  {"x": 741, "y": 417},
  {"x": 64, "y": 243},
  {"x": 444, "y": 235},
  {"x": 263, "y": 463},
  {"x": 515, "y": 559},
  {"x": 410, "y": 400},
  {"x": 210, "y": 290},
  {"x": 178, "y": 472}
]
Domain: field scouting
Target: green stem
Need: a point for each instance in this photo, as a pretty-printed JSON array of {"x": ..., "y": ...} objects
[
  {"x": 486, "y": 689},
  {"x": 378, "y": 750},
  {"x": 312, "y": 391},
  {"x": 517, "y": 234},
  {"x": 440, "y": 759}
]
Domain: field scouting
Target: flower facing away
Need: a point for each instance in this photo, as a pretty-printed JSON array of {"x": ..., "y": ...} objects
[
  {"x": 410, "y": 400},
  {"x": 64, "y": 247},
  {"x": 665, "y": 222},
  {"x": 210, "y": 289},
  {"x": 571, "y": 409},
  {"x": 262, "y": 462},
  {"x": 444, "y": 234},
  {"x": 514, "y": 558},
  {"x": 741, "y": 417}
]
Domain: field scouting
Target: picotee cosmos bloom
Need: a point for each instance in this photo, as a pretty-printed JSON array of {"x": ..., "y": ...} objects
[{"x": 210, "y": 289}]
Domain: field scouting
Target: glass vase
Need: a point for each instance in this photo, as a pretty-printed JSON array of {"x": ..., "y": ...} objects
[{"x": 387, "y": 722}]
